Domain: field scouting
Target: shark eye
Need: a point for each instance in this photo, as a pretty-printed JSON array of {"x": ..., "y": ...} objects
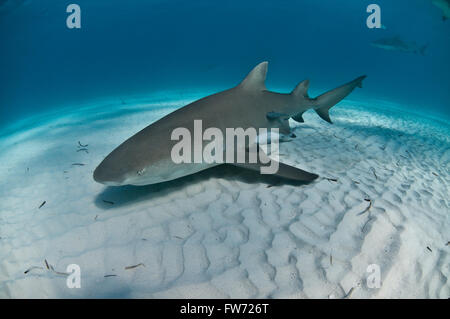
[{"x": 141, "y": 172}]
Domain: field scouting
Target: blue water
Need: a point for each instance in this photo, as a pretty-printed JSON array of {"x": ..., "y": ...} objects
[{"x": 135, "y": 47}]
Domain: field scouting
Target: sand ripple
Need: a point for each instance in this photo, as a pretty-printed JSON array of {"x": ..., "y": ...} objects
[{"x": 227, "y": 232}]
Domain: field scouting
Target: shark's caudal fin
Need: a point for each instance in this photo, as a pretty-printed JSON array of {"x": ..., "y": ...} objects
[{"x": 323, "y": 103}]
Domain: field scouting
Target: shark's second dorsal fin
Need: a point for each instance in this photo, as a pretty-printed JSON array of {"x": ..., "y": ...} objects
[
  {"x": 301, "y": 89},
  {"x": 256, "y": 78}
]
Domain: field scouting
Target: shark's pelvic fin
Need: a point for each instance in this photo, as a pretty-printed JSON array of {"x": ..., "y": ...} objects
[
  {"x": 299, "y": 117},
  {"x": 255, "y": 80},
  {"x": 280, "y": 120},
  {"x": 325, "y": 102},
  {"x": 276, "y": 115}
]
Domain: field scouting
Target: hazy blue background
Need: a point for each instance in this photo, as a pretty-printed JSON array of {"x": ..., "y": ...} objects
[{"x": 140, "y": 47}]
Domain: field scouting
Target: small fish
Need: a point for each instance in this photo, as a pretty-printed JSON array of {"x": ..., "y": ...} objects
[
  {"x": 50, "y": 267},
  {"x": 349, "y": 293},
  {"x": 368, "y": 207},
  {"x": 42, "y": 204},
  {"x": 365, "y": 224},
  {"x": 332, "y": 179},
  {"x": 31, "y": 268},
  {"x": 134, "y": 266},
  {"x": 81, "y": 145},
  {"x": 78, "y": 164},
  {"x": 108, "y": 202},
  {"x": 429, "y": 249},
  {"x": 107, "y": 276},
  {"x": 374, "y": 174}
]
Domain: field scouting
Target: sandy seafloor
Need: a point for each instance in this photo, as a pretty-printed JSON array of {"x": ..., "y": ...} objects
[{"x": 227, "y": 232}]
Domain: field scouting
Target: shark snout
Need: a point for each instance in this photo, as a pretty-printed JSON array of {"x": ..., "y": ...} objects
[{"x": 108, "y": 175}]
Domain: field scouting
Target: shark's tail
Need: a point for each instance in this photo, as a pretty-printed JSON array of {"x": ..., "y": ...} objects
[{"x": 323, "y": 103}]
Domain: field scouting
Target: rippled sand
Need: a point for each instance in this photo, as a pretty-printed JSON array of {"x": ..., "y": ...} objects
[{"x": 382, "y": 198}]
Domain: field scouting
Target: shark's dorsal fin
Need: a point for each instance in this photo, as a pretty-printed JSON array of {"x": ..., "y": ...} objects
[
  {"x": 301, "y": 89},
  {"x": 256, "y": 78}
]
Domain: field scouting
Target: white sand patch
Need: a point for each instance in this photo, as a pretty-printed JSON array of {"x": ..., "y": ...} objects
[{"x": 227, "y": 232}]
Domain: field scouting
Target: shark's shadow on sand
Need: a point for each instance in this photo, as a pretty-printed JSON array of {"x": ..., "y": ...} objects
[{"x": 118, "y": 196}]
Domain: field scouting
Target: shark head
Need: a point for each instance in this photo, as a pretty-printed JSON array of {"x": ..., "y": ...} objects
[
  {"x": 110, "y": 171},
  {"x": 134, "y": 163},
  {"x": 124, "y": 165}
]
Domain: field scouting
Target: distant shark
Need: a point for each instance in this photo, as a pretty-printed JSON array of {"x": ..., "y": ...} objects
[
  {"x": 397, "y": 44},
  {"x": 444, "y": 5},
  {"x": 145, "y": 158}
]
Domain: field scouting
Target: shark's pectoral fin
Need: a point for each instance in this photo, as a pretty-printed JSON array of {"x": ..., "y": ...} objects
[
  {"x": 294, "y": 173},
  {"x": 284, "y": 170}
]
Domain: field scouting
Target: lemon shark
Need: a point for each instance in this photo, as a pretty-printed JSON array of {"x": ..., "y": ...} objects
[
  {"x": 145, "y": 158},
  {"x": 397, "y": 44},
  {"x": 444, "y": 5}
]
